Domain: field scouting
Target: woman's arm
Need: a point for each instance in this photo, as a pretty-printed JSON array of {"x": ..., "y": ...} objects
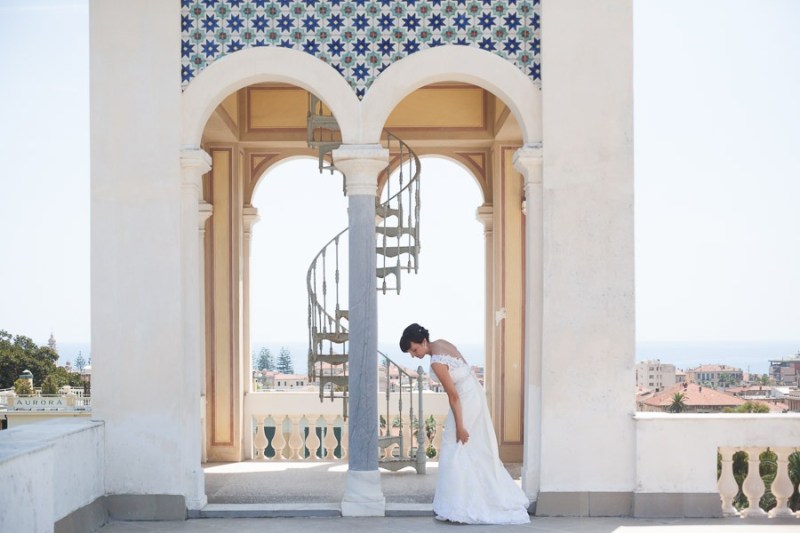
[{"x": 443, "y": 373}]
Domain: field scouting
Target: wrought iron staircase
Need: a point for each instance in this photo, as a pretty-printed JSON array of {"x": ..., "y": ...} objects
[{"x": 398, "y": 246}]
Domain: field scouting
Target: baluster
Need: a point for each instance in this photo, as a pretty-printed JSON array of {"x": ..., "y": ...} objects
[
  {"x": 260, "y": 440},
  {"x": 295, "y": 440},
  {"x": 330, "y": 438},
  {"x": 278, "y": 440},
  {"x": 437, "y": 439},
  {"x": 782, "y": 487},
  {"x": 726, "y": 484},
  {"x": 345, "y": 438},
  {"x": 312, "y": 441},
  {"x": 753, "y": 486}
]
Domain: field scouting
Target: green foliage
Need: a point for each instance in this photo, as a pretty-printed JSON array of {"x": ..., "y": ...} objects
[
  {"x": 22, "y": 386},
  {"x": 677, "y": 405},
  {"x": 285, "y": 364},
  {"x": 265, "y": 360},
  {"x": 62, "y": 377},
  {"x": 49, "y": 386},
  {"x": 430, "y": 433},
  {"x": 20, "y": 353},
  {"x": 767, "y": 469},
  {"x": 751, "y": 407}
]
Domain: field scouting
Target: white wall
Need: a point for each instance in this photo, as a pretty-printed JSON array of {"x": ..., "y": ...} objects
[
  {"x": 49, "y": 470},
  {"x": 588, "y": 310},
  {"x": 139, "y": 381},
  {"x": 677, "y": 453}
]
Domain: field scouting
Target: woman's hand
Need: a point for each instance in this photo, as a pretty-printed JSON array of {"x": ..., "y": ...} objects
[{"x": 462, "y": 435}]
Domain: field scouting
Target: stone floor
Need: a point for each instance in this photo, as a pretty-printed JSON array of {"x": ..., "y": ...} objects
[{"x": 304, "y": 497}]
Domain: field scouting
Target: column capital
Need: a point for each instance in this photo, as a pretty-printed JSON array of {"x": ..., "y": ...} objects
[
  {"x": 361, "y": 164},
  {"x": 528, "y": 162},
  {"x": 194, "y": 163},
  {"x": 249, "y": 217},
  {"x": 204, "y": 211},
  {"x": 485, "y": 215},
  {"x": 195, "y": 158}
]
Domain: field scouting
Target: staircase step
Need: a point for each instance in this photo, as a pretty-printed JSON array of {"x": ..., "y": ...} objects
[
  {"x": 397, "y": 463},
  {"x": 331, "y": 359},
  {"x": 394, "y": 251},
  {"x": 385, "y": 441},
  {"x": 383, "y": 272},
  {"x": 341, "y": 381},
  {"x": 332, "y": 336},
  {"x": 394, "y": 231},
  {"x": 382, "y": 211}
]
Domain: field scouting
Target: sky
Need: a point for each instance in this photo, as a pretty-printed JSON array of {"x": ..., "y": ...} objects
[{"x": 717, "y": 183}]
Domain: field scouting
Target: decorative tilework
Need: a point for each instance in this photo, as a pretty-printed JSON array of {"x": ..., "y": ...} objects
[{"x": 359, "y": 38}]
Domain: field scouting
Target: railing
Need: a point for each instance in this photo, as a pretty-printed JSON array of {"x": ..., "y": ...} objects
[
  {"x": 731, "y": 464},
  {"x": 310, "y": 431},
  {"x": 46, "y": 402},
  {"x": 759, "y": 482},
  {"x": 397, "y": 431}
]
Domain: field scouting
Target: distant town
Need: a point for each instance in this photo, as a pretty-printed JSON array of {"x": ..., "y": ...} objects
[{"x": 660, "y": 385}]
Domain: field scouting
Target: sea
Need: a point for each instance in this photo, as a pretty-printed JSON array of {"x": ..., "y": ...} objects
[{"x": 752, "y": 356}]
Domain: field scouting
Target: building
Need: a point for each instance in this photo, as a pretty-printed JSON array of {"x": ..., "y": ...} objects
[
  {"x": 717, "y": 376},
  {"x": 188, "y": 115},
  {"x": 785, "y": 371},
  {"x": 655, "y": 375},
  {"x": 696, "y": 399}
]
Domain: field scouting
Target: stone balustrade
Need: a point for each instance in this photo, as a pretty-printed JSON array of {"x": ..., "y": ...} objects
[
  {"x": 678, "y": 457},
  {"x": 311, "y": 430},
  {"x": 767, "y": 473}
]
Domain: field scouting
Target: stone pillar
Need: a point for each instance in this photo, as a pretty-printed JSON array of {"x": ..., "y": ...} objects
[
  {"x": 249, "y": 217},
  {"x": 361, "y": 165},
  {"x": 194, "y": 163},
  {"x": 528, "y": 161},
  {"x": 205, "y": 210},
  {"x": 485, "y": 215}
]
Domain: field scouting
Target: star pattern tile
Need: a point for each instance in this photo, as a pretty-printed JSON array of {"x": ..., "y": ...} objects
[{"x": 359, "y": 38}]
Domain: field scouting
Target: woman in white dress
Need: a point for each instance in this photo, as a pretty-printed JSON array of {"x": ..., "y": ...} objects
[{"x": 473, "y": 486}]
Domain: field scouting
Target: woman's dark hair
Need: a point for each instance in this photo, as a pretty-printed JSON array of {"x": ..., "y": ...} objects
[{"x": 413, "y": 333}]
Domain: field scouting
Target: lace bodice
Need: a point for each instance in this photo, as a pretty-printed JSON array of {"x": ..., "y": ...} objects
[{"x": 451, "y": 362}]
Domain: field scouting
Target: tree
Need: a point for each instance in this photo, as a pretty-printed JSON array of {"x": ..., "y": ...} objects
[
  {"x": 19, "y": 353},
  {"x": 677, "y": 405},
  {"x": 763, "y": 379},
  {"x": 49, "y": 385},
  {"x": 752, "y": 407},
  {"x": 265, "y": 360},
  {"x": 80, "y": 362},
  {"x": 285, "y": 365},
  {"x": 22, "y": 387}
]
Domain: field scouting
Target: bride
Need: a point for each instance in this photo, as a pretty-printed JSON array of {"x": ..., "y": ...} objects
[{"x": 473, "y": 486}]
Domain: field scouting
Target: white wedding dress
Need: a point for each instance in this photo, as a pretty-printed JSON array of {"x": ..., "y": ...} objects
[{"x": 473, "y": 486}]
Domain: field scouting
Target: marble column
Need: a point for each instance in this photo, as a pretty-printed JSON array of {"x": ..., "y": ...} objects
[
  {"x": 194, "y": 163},
  {"x": 205, "y": 210},
  {"x": 485, "y": 215},
  {"x": 249, "y": 218},
  {"x": 528, "y": 161},
  {"x": 361, "y": 165}
]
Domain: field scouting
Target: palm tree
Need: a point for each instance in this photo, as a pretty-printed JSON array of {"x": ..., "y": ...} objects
[{"x": 677, "y": 405}]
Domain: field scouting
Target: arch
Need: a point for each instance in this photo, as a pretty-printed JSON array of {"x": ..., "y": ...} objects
[
  {"x": 479, "y": 182},
  {"x": 453, "y": 63},
  {"x": 266, "y": 64}
]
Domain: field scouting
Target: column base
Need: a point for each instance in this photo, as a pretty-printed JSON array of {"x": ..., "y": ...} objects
[{"x": 363, "y": 495}]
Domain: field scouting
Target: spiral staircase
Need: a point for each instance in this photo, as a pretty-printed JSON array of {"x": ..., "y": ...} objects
[{"x": 397, "y": 231}]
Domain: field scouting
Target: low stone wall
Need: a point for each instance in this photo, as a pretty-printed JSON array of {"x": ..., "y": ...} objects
[{"x": 51, "y": 470}]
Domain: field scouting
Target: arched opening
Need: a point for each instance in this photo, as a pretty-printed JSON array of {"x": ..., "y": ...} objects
[{"x": 446, "y": 295}]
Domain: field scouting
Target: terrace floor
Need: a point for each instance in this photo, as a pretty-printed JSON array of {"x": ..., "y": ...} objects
[{"x": 304, "y": 497}]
